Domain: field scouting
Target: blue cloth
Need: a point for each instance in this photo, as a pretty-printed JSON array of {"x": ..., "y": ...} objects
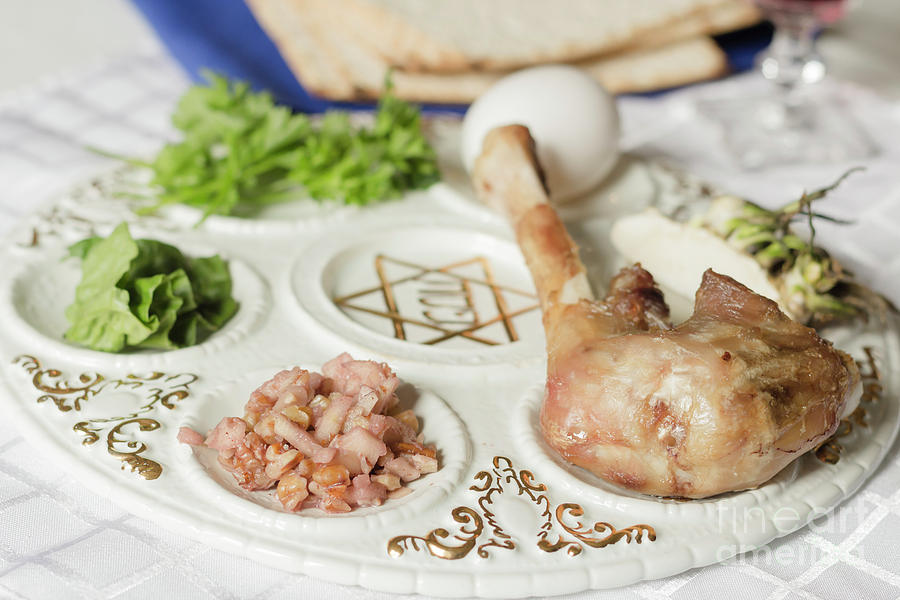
[{"x": 223, "y": 35}]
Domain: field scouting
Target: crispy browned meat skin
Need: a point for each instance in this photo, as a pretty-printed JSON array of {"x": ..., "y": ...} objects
[{"x": 720, "y": 403}]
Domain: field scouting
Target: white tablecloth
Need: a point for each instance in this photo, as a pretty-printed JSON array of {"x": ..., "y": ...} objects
[{"x": 60, "y": 540}]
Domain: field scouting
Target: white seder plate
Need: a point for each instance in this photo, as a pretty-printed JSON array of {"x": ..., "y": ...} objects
[{"x": 435, "y": 286}]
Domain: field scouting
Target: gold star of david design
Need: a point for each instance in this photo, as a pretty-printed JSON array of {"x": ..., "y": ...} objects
[{"x": 465, "y": 322}]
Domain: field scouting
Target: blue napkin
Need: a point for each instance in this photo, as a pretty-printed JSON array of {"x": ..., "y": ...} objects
[{"x": 223, "y": 35}]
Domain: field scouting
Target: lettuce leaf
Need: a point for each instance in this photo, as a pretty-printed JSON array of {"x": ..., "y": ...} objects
[{"x": 146, "y": 294}]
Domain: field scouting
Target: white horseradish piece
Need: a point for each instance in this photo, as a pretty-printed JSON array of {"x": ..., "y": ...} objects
[{"x": 678, "y": 253}]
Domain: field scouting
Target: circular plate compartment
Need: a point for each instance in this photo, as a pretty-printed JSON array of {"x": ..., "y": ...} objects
[
  {"x": 424, "y": 292},
  {"x": 806, "y": 489},
  {"x": 34, "y": 297},
  {"x": 200, "y": 469}
]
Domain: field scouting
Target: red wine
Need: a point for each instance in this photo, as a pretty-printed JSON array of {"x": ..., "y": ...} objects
[{"x": 824, "y": 11}]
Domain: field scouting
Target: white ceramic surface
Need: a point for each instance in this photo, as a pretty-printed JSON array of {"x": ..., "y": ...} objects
[{"x": 502, "y": 518}]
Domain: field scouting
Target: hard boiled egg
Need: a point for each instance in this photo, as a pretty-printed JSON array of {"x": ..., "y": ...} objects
[{"x": 570, "y": 116}]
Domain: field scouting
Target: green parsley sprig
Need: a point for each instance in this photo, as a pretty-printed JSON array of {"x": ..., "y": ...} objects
[{"x": 240, "y": 151}]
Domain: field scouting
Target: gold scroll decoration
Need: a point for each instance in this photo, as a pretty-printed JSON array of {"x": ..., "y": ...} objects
[
  {"x": 445, "y": 301},
  {"x": 479, "y": 527},
  {"x": 69, "y": 394},
  {"x": 831, "y": 449},
  {"x": 86, "y": 211}
]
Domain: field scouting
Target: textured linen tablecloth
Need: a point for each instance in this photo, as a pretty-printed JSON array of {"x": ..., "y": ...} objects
[{"x": 58, "y": 539}]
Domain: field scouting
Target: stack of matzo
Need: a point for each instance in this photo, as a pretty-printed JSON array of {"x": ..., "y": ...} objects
[{"x": 452, "y": 50}]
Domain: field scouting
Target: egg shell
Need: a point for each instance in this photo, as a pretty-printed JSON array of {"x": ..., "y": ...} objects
[{"x": 571, "y": 117}]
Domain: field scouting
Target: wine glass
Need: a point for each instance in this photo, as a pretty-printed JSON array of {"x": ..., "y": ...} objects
[{"x": 798, "y": 118}]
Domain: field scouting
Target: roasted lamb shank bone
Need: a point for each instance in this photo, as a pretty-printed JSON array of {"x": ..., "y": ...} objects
[{"x": 720, "y": 403}]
